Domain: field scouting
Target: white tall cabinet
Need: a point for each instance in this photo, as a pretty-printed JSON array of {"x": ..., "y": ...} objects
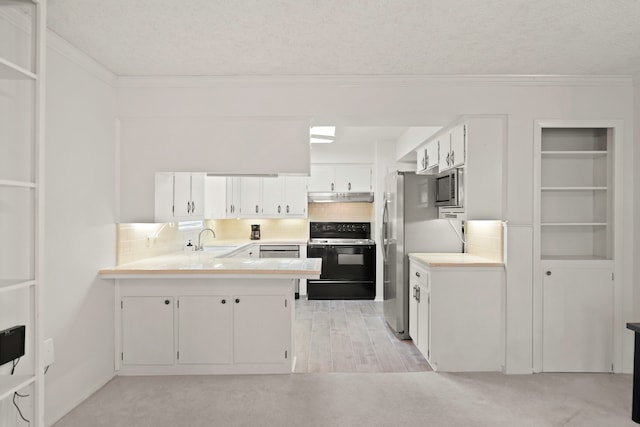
[
  {"x": 22, "y": 110},
  {"x": 577, "y": 202}
]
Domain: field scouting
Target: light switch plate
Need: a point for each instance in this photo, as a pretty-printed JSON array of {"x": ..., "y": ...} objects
[{"x": 48, "y": 354}]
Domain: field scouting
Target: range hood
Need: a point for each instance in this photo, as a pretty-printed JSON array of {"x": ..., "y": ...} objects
[{"x": 332, "y": 197}]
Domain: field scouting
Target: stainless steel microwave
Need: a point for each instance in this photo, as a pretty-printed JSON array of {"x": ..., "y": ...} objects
[{"x": 450, "y": 188}]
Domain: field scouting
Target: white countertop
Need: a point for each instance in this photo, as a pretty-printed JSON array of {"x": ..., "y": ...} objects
[
  {"x": 454, "y": 260},
  {"x": 210, "y": 264}
]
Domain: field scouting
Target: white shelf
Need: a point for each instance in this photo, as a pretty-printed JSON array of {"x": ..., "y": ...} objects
[
  {"x": 9, "y": 183},
  {"x": 9, "y": 384},
  {"x": 573, "y": 188},
  {"x": 9, "y": 70},
  {"x": 9, "y": 285},
  {"x": 573, "y": 224},
  {"x": 574, "y": 153},
  {"x": 573, "y": 258}
]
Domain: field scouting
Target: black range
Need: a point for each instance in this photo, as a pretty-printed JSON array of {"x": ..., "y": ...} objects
[{"x": 348, "y": 260}]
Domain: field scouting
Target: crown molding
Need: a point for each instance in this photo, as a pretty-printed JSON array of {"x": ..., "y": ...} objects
[
  {"x": 370, "y": 80},
  {"x": 63, "y": 47}
]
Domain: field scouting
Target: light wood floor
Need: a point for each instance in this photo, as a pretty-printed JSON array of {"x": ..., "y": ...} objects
[{"x": 350, "y": 336}]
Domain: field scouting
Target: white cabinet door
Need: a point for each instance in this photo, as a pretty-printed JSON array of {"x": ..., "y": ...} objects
[
  {"x": 577, "y": 331},
  {"x": 216, "y": 197},
  {"x": 431, "y": 154},
  {"x": 421, "y": 165},
  {"x": 321, "y": 178},
  {"x": 251, "y": 251},
  {"x": 163, "y": 201},
  {"x": 233, "y": 197},
  {"x": 444, "y": 156},
  {"x": 205, "y": 329},
  {"x": 250, "y": 197},
  {"x": 147, "y": 331},
  {"x": 349, "y": 178},
  {"x": 197, "y": 195},
  {"x": 295, "y": 195},
  {"x": 458, "y": 146},
  {"x": 262, "y": 329},
  {"x": 182, "y": 194},
  {"x": 273, "y": 196},
  {"x": 179, "y": 196},
  {"x": 413, "y": 311},
  {"x": 423, "y": 319}
]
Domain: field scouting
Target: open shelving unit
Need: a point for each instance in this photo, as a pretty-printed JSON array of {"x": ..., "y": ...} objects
[
  {"x": 22, "y": 107},
  {"x": 576, "y": 224},
  {"x": 575, "y": 197}
]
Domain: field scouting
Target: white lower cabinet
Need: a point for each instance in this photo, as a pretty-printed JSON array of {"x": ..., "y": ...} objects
[
  {"x": 147, "y": 333},
  {"x": 211, "y": 344},
  {"x": 457, "y": 319},
  {"x": 208, "y": 327},
  {"x": 260, "y": 328},
  {"x": 577, "y": 331},
  {"x": 419, "y": 308}
]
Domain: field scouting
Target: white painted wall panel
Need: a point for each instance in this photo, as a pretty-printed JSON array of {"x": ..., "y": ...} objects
[
  {"x": 203, "y": 144},
  {"x": 80, "y": 233}
]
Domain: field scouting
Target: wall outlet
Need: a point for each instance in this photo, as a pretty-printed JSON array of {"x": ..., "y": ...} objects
[{"x": 48, "y": 355}]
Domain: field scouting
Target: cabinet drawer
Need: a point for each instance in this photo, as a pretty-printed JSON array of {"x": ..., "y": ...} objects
[{"x": 418, "y": 274}]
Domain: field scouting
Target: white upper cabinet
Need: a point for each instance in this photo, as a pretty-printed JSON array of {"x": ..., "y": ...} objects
[
  {"x": 355, "y": 179},
  {"x": 428, "y": 160},
  {"x": 215, "y": 197},
  {"x": 295, "y": 194},
  {"x": 179, "y": 196},
  {"x": 322, "y": 178},
  {"x": 284, "y": 196},
  {"x": 341, "y": 178},
  {"x": 250, "y": 197},
  {"x": 452, "y": 148}
]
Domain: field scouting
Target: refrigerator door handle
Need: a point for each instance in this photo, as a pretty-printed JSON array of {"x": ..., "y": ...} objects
[{"x": 383, "y": 233}]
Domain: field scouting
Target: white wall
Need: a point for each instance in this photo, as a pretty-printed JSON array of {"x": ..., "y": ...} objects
[
  {"x": 80, "y": 231},
  {"x": 224, "y": 146},
  {"x": 522, "y": 100}
]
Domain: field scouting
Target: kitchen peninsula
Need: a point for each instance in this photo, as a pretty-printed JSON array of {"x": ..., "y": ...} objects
[{"x": 199, "y": 313}]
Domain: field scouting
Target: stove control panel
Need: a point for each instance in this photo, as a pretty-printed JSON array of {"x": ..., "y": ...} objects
[{"x": 340, "y": 230}]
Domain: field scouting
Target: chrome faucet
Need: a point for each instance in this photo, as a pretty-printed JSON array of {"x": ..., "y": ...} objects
[{"x": 199, "y": 247}]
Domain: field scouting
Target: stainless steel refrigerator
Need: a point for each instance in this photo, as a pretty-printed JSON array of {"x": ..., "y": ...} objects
[{"x": 410, "y": 224}]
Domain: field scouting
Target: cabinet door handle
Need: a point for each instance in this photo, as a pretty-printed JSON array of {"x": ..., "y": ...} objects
[
  {"x": 418, "y": 294},
  {"x": 224, "y": 301},
  {"x": 349, "y": 186},
  {"x": 278, "y": 208},
  {"x": 453, "y": 154},
  {"x": 417, "y": 273},
  {"x": 237, "y": 300},
  {"x": 188, "y": 207},
  {"x": 167, "y": 302},
  {"x": 332, "y": 186},
  {"x": 193, "y": 207},
  {"x": 287, "y": 208},
  {"x": 548, "y": 273},
  {"x": 256, "y": 208},
  {"x": 426, "y": 160}
]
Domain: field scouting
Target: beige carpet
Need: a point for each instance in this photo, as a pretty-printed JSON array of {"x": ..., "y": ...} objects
[{"x": 352, "y": 399}]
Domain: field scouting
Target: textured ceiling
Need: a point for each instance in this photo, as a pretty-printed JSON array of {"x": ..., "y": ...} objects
[{"x": 353, "y": 37}]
